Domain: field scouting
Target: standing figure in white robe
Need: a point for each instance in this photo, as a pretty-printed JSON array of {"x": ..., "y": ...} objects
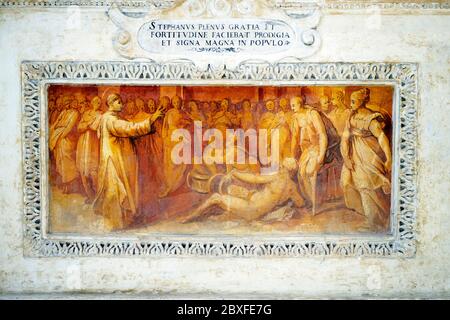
[
  {"x": 118, "y": 189},
  {"x": 63, "y": 142},
  {"x": 367, "y": 163},
  {"x": 88, "y": 148}
]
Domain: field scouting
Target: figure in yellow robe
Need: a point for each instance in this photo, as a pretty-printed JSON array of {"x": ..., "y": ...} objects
[
  {"x": 340, "y": 112},
  {"x": 210, "y": 109},
  {"x": 174, "y": 173},
  {"x": 88, "y": 148},
  {"x": 367, "y": 163},
  {"x": 54, "y": 110},
  {"x": 144, "y": 155},
  {"x": 118, "y": 192},
  {"x": 271, "y": 121},
  {"x": 156, "y": 141},
  {"x": 284, "y": 124},
  {"x": 328, "y": 179},
  {"x": 63, "y": 141},
  {"x": 338, "y": 116},
  {"x": 247, "y": 121},
  {"x": 51, "y": 110},
  {"x": 221, "y": 119},
  {"x": 267, "y": 122},
  {"x": 246, "y": 117}
]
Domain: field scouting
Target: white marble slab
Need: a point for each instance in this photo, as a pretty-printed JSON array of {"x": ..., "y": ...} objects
[{"x": 42, "y": 34}]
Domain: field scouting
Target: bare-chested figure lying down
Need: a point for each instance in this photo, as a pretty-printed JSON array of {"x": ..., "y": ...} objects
[{"x": 277, "y": 189}]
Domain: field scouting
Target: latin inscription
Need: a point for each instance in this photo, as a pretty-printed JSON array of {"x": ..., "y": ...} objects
[{"x": 220, "y": 36}]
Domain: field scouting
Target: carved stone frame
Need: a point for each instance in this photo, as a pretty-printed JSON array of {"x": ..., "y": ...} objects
[{"x": 399, "y": 242}]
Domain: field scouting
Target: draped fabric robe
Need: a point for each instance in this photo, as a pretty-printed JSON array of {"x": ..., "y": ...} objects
[
  {"x": 118, "y": 191},
  {"x": 62, "y": 143},
  {"x": 364, "y": 186},
  {"x": 174, "y": 174},
  {"x": 88, "y": 149}
]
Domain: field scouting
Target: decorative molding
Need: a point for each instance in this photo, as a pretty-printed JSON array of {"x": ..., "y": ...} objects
[
  {"x": 283, "y": 4},
  {"x": 364, "y": 5},
  {"x": 89, "y": 3},
  {"x": 132, "y": 42},
  {"x": 400, "y": 242}
]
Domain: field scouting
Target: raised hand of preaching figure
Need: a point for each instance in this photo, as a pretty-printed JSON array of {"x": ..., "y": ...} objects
[{"x": 118, "y": 192}]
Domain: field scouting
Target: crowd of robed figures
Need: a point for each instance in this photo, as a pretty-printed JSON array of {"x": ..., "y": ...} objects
[{"x": 121, "y": 158}]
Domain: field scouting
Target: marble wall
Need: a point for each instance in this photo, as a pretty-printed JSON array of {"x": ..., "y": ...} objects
[{"x": 358, "y": 36}]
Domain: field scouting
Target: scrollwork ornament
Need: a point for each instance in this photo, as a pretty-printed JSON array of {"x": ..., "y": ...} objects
[
  {"x": 245, "y": 7},
  {"x": 308, "y": 37},
  {"x": 195, "y": 8},
  {"x": 168, "y": 4},
  {"x": 122, "y": 43},
  {"x": 220, "y": 8}
]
